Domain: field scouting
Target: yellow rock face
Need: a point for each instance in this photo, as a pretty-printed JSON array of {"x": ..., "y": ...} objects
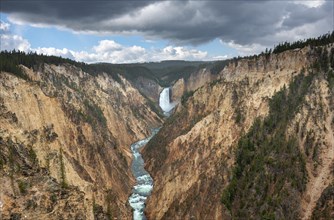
[
  {"x": 80, "y": 128},
  {"x": 194, "y": 165}
]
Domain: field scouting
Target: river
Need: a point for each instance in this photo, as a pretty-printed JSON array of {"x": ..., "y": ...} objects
[{"x": 144, "y": 182}]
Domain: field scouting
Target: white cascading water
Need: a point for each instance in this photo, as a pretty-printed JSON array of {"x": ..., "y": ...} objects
[
  {"x": 164, "y": 101},
  {"x": 144, "y": 182}
]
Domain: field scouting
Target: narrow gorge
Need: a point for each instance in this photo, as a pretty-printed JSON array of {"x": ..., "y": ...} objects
[
  {"x": 243, "y": 138},
  {"x": 144, "y": 182}
]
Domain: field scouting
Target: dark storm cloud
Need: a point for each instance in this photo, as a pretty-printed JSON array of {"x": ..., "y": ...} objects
[
  {"x": 183, "y": 22},
  {"x": 72, "y": 9},
  {"x": 250, "y": 20},
  {"x": 78, "y": 15},
  {"x": 300, "y": 14}
]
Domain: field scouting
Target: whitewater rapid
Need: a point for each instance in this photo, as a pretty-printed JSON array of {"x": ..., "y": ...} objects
[
  {"x": 164, "y": 101},
  {"x": 144, "y": 182}
]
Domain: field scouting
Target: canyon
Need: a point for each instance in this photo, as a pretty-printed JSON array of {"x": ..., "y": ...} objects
[{"x": 244, "y": 138}]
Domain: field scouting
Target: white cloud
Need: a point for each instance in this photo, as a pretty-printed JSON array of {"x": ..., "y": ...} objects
[
  {"x": 132, "y": 54},
  {"x": 107, "y": 45},
  {"x": 107, "y": 51},
  {"x": 244, "y": 50},
  {"x": 10, "y": 42},
  {"x": 66, "y": 53},
  {"x": 310, "y": 3},
  {"x": 112, "y": 54},
  {"x": 180, "y": 53},
  {"x": 221, "y": 57},
  {"x": 4, "y": 27}
]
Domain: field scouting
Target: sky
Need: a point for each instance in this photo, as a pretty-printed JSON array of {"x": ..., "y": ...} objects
[{"x": 117, "y": 31}]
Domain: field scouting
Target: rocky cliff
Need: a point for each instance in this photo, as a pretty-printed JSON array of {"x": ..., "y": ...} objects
[
  {"x": 257, "y": 142},
  {"x": 191, "y": 83},
  {"x": 65, "y": 137}
]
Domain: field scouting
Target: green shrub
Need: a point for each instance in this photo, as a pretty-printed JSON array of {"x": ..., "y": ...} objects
[
  {"x": 32, "y": 155},
  {"x": 330, "y": 79},
  {"x": 239, "y": 117},
  {"x": 94, "y": 113},
  {"x": 62, "y": 170},
  {"x": 53, "y": 198},
  {"x": 325, "y": 204},
  {"x": 186, "y": 96},
  {"x": 23, "y": 186}
]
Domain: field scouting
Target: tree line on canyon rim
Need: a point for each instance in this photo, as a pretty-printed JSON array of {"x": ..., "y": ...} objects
[{"x": 164, "y": 73}]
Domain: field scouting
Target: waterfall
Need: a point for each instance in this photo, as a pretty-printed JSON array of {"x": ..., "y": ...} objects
[{"x": 164, "y": 101}]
